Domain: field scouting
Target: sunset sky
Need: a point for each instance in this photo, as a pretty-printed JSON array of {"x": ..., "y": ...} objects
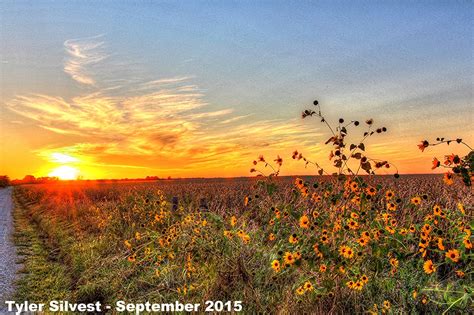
[{"x": 104, "y": 89}]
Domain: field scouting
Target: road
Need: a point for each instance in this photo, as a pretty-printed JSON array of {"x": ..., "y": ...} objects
[{"x": 8, "y": 257}]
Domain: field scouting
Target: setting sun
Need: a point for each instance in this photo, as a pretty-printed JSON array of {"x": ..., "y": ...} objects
[{"x": 65, "y": 172}]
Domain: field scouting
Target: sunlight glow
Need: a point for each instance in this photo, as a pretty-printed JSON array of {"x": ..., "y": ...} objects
[
  {"x": 62, "y": 158},
  {"x": 65, "y": 172}
]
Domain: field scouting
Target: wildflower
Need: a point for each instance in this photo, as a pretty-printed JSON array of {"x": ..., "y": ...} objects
[
  {"x": 316, "y": 197},
  {"x": 436, "y": 163},
  {"x": 353, "y": 224},
  {"x": 371, "y": 191},
  {"x": 467, "y": 243},
  {"x": 315, "y": 214},
  {"x": 132, "y": 258},
  {"x": 304, "y": 222},
  {"x": 423, "y": 145},
  {"x": 394, "y": 262},
  {"x": 271, "y": 237},
  {"x": 440, "y": 244},
  {"x": 350, "y": 284},
  {"x": 424, "y": 300},
  {"x": 324, "y": 239},
  {"x": 428, "y": 267},
  {"x": 300, "y": 291},
  {"x": 299, "y": 183},
  {"x": 437, "y": 210},
  {"x": 358, "y": 285},
  {"x": 386, "y": 305},
  {"x": 228, "y": 234},
  {"x": 453, "y": 254},
  {"x": 362, "y": 241},
  {"x": 308, "y": 286},
  {"x": 289, "y": 258},
  {"x": 415, "y": 294},
  {"x": 390, "y": 229},
  {"x": 354, "y": 186},
  {"x": 233, "y": 220},
  {"x": 279, "y": 160},
  {"x": 416, "y": 200},
  {"x": 127, "y": 244},
  {"x": 323, "y": 268},
  {"x": 369, "y": 121},
  {"x": 391, "y": 206},
  {"x": 342, "y": 269},
  {"x": 448, "y": 178},
  {"x": 246, "y": 201},
  {"x": 138, "y": 236},
  {"x": 297, "y": 255},
  {"x": 364, "y": 279},
  {"x": 346, "y": 251},
  {"x": 276, "y": 265},
  {"x": 389, "y": 194},
  {"x": 293, "y": 239},
  {"x": 460, "y": 273},
  {"x": 461, "y": 208}
]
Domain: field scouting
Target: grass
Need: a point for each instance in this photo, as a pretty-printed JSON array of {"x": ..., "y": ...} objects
[{"x": 43, "y": 276}]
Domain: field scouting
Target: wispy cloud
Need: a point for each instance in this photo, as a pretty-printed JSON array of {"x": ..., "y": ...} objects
[{"x": 82, "y": 54}]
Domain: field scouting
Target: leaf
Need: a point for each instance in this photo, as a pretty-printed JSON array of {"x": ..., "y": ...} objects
[
  {"x": 352, "y": 147},
  {"x": 357, "y": 155},
  {"x": 366, "y": 166},
  {"x": 362, "y": 147},
  {"x": 320, "y": 172}
]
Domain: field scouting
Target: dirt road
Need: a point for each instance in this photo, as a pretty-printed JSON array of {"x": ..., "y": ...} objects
[{"x": 8, "y": 257}]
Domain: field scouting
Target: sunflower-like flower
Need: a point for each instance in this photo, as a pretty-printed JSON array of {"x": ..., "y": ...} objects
[
  {"x": 429, "y": 267},
  {"x": 453, "y": 255}
]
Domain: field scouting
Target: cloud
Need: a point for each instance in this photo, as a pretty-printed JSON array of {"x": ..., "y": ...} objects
[{"x": 82, "y": 54}]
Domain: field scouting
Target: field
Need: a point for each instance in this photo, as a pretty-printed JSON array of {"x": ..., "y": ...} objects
[{"x": 319, "y": 244}]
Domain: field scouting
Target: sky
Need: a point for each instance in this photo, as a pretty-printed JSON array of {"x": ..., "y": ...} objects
[{"x": 126, "y": 89}]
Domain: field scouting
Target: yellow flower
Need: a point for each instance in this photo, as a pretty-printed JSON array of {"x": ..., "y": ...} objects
[
  {"x": 308, "y": 286},
  {"x": 233, "y": 220},
  {"x": 293, "y": 239},
  {"x": 437, "y": 210},
  {"x": 271, "y": 237},
  {"x": 416, "y": 201},
  {"x": 428, "y": 267},
  {"x": 389, "y": 194},
  {"x": 323, "y": 268},
  {"x": 300, "y": 291},
  {"x": 394, "y": 262},
  {"x": 289, "y": 258},
  {"x": 127, "y": 244},
  {"x": 304, "y": 222},
  {"x": 364, "y": 279},
  {"x": 440, "y": 244},
  {"x": 460, "y": 273},
  {"x": 453, "y": 254},
  {"x": 461, "y": 208},
  {"x": 386, "y": 305},
  {"x": 276, "y": 265},
  {"x": 346, "y": 251},
  {"x": 467, "y": 243},
  {"x": 415, "y": 294}
]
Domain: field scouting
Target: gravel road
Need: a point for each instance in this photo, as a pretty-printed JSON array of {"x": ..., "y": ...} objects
[{"x": 8, "y": 257}]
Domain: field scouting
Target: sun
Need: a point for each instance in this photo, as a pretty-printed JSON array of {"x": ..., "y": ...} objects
[{"x": 65, "y": 172}]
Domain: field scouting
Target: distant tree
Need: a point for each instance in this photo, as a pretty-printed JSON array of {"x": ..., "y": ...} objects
[
  {"x": 4, "y": 181},
  {"x": 29, "y": 179}
]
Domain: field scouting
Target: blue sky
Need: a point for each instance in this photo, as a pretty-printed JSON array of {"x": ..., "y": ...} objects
[{"x": 407, "y": 64}]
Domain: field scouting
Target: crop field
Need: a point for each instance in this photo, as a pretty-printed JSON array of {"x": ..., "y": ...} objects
[{"x": 285, "y": 245}]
